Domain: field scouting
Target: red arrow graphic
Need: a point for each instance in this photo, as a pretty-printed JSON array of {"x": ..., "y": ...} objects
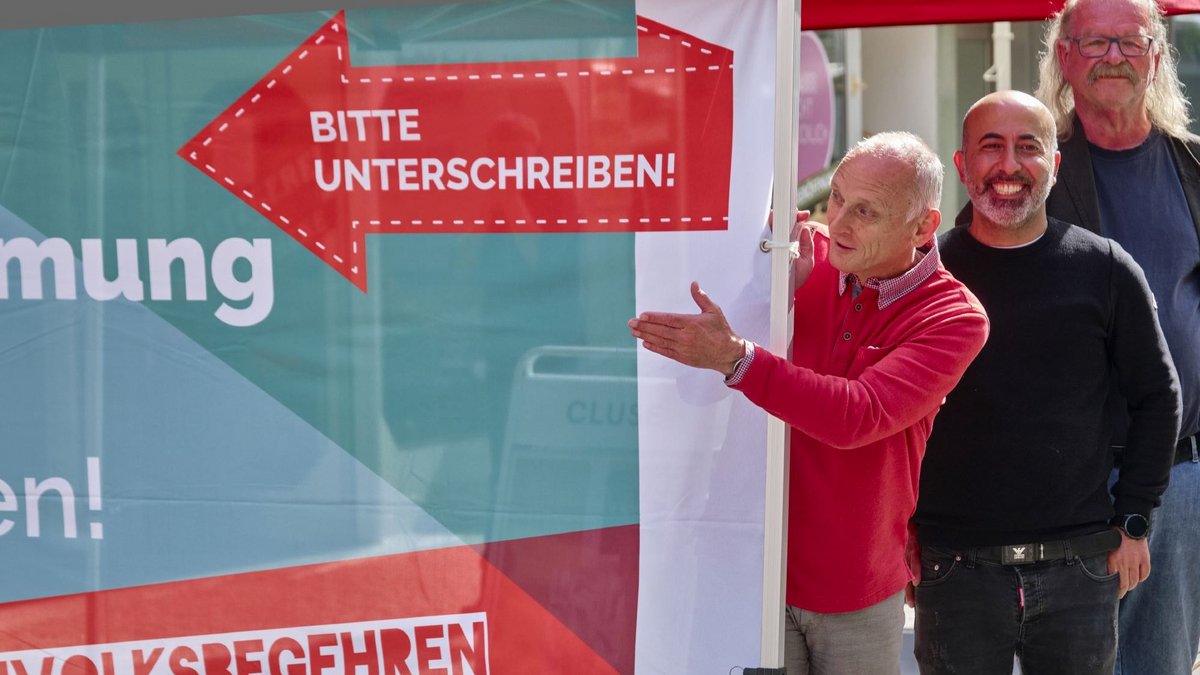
[{"x": 331, "y": 153}]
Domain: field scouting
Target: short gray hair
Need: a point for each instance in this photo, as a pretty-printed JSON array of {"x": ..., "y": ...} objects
[
  {"x": 913, "y": 151},
  {"x": 1166, "y": 105}
]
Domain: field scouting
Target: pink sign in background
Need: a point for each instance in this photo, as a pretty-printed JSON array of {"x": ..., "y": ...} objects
[{"x": 814, "y": 135}]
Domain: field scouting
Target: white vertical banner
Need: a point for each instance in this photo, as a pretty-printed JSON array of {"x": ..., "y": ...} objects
[{"x": 701, "y": 445}]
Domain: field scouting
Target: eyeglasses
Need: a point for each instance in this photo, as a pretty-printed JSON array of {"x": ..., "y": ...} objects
[{"x": 1095, "y": 46}]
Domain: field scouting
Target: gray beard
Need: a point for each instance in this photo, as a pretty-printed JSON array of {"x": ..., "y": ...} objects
[{"x": 1007, "y": 213}]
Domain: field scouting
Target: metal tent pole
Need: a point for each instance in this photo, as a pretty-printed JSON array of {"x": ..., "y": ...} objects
[{"x": 783, "y": 205}]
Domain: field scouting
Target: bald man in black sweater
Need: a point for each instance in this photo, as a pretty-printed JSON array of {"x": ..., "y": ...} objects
[{"x": 1022, "y": 550}]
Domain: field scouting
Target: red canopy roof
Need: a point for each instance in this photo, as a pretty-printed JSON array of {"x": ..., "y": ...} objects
[{"x": 823, "y": 14}]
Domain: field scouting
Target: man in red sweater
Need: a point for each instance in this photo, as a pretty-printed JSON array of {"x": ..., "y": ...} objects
[{"x": 882, "y": 333}]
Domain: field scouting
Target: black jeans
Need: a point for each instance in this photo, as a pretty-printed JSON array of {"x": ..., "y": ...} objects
[{"x": 1058, "y": 617}]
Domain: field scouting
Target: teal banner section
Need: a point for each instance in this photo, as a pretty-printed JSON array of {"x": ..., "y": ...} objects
[
  {"x": 212, "y": 396},
  {"x": 134, "y": 456}
]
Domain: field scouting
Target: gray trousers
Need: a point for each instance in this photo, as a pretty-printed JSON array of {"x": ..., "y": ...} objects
[{"x": 866, "y": 642}]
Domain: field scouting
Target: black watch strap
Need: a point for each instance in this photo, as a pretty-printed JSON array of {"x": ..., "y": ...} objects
[{"x": 1134, "y": 525}]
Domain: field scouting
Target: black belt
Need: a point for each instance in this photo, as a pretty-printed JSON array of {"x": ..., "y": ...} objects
[
  {"x": 1186, "y": 450},
  {"x": 1064, "y": 549}
]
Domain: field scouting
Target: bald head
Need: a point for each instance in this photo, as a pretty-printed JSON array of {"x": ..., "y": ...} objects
[
  {"x": 1008, "y": 161},
  {"x": 1013, "y": 101}
]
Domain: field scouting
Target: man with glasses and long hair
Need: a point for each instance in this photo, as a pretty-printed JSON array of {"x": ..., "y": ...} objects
[{"x": 1130, "y": 172}]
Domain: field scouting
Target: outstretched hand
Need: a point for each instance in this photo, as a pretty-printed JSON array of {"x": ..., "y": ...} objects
[{"x": 702, "y": 340}]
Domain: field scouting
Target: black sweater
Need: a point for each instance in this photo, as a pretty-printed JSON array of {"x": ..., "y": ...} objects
[{"x": 1020, "y": 452}]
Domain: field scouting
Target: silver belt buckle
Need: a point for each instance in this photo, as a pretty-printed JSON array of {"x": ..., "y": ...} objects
[{"x": 1019, "y": 554}]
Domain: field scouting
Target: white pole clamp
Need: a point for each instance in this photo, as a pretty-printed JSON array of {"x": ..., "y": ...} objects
[{"x": 793, "y": 247}]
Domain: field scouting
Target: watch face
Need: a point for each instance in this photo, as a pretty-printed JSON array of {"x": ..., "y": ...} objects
[{"x": 1136, "y": 526}]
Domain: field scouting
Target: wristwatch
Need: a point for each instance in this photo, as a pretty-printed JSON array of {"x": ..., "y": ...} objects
[{"x": 1134, "y": 525}]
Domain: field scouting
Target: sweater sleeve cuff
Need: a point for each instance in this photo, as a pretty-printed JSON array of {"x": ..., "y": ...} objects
[
  {"x": 1126, "y": 505},
  {"x": 743, "y": 366}
]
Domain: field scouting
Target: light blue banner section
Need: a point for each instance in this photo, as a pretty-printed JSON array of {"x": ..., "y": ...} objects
[{"x": 200, "y": 472}]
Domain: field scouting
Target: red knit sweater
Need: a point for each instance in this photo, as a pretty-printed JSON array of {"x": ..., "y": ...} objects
[{"x": 860, "y": 395}]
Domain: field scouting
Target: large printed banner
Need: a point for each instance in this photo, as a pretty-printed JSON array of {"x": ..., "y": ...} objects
[{"x": 243, "y": 437}]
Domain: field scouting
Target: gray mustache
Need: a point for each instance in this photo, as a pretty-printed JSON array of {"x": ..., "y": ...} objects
[{"x": 1108, "y": 70}]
